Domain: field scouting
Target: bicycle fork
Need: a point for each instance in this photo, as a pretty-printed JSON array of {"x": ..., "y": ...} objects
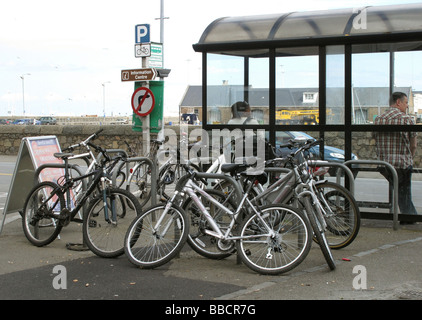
[
  {"x": 160, "y": 220},
  {"x": 317, "y": 205},
  {"x": 113, "y": 219}
]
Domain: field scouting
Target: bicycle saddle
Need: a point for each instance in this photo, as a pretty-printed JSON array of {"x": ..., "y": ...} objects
[
  {"x": 233, "y": 167},
  {"x": 63, "y": 155}
]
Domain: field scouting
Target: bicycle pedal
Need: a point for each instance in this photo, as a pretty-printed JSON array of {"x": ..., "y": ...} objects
[{"x": 64, "y": 217}]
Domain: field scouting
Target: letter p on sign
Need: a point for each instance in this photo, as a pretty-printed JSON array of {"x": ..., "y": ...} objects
[{"x": 142, "y": 33}]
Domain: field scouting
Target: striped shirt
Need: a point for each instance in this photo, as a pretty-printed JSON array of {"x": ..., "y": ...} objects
[{"x": 394, "y": 147}]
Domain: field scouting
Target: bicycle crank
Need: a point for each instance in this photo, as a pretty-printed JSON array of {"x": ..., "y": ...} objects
[
  {"x": 225, "y": 245},
  {"x": 64, "y": 217}
]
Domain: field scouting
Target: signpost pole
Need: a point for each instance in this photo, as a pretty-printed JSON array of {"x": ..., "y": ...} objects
[{"x": 145, "y": 123}]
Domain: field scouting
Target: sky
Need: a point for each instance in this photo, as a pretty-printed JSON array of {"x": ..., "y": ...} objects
[{"x": 70, "y": 53}]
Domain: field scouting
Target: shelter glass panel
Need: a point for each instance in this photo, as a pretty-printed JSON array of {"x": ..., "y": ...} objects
[
  {"x": 227, "y": 90},
  {"x": 297, "y": 93},
  {"x": 225, "y": 86},
  {"x": 370, "y": 82},
  {"x": 258, "y": 93},
  {"x": 408, "y": 79},
  {"x": 335, "y": 84}
]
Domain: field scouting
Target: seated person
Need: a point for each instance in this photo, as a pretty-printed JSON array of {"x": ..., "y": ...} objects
[{"x": 241, "y": 112}]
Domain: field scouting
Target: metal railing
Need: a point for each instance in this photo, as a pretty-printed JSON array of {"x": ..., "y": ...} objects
[{"x": 393, "y": 201}]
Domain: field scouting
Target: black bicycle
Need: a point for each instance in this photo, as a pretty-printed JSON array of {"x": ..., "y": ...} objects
[{"x": 50, "y": 206}]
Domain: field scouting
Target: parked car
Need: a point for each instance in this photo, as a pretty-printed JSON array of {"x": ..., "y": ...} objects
[
  {"x": 331, "y": 154},
  {"x": 5, "y": 121},
  {"x": 120, "y": 121},
  {"x": 48, "y": 120},
  {"x": 26, "y": 121}
]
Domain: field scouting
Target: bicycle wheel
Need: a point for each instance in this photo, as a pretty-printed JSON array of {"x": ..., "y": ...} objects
[
  {"x": 279, "y": 249},
  {"x": 202, "y": 243},
  {"x": 120, "y": 179},
  {"x": 139, "y": 183},
  {"x": 150, "y": 245},
  {"x": 40, "y": 218},
  {"x": 168, "y": 177},
  {"x": 105, "y": 226},
  {"x": 343, "y": 219},
  {"x": 319, "y": 234}
]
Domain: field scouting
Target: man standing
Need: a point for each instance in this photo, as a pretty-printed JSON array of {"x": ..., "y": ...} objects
[{"x": 398, "y": 148}]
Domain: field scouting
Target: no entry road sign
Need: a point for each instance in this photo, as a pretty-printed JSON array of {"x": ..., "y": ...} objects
[{"x": 143, "y": 101}]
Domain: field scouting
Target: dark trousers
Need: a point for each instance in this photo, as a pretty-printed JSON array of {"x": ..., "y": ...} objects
[{"x": 405, "y": 189}]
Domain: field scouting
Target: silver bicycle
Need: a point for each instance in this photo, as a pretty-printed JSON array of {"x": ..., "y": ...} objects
[{"x": 270, "y": 240}]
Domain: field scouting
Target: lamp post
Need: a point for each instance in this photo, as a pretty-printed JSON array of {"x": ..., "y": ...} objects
[
  {"x": 103, "y": 84},
  {"x": 23, "y": 90}
]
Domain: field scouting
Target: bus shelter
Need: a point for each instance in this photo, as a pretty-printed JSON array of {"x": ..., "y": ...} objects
[{"x": 328, "y": 73}]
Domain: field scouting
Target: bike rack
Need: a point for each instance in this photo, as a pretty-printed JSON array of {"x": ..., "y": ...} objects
[
  {"x": 69, "y": 246},
  {"x": 231, "y": 180},
  {"x": 100, "y": 155},
  {"x": 153, "y": 174},
  {"x": 321, "y": 163},
  {"x": 394, "y": 201}
]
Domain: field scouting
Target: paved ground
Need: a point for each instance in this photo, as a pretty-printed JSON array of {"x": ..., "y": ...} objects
[
  {"x": 381, "y": 264},
  {"x": 388, "y": 267}
]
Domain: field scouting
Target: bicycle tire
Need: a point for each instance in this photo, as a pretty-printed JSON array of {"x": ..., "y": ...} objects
[
  {"x": 139, "y": 183},
  {"x": 344, "y": 225},
  {"x": 39, "y": 225},
  {"x": 319, "y": 234},
  {"x": 289, "y": 246},
  {"x": 146, "y": 247},
  {"x": 202, "y": 243},
  {"x": 106, "y": 238}
]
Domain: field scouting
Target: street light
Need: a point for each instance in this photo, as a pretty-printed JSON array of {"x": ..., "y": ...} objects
[
  {"x": 23, "y": 90},
  {"x": 103, "y": 84}
]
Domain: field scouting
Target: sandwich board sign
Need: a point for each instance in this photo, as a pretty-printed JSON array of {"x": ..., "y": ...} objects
[{"x": 33, "y": 152}]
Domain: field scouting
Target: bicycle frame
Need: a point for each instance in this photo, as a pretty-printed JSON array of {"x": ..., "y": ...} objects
[
  {"x": 100, "y": 175},
  {"x": 190, "y": 188}
]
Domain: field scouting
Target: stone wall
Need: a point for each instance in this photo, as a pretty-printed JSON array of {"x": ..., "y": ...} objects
[
  {"x": 114, "y": 137},
  {"x": 363, "y": 145}
]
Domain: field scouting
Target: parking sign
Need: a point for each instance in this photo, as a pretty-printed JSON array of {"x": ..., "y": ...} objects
[{"x": 142, "y": 33}]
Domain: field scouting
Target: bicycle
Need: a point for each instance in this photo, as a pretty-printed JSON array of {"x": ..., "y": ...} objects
[
  {"x": 338, "y": 206},
  {"x": 331, "y": 208},
  {"x": 50, "y": 206},
  {"x": 310, "y": 196},
  {"x": 139, "y": 179},
  {"x": 270, "y": 240},
  {"x": 341, "y": 211},
  {"x": 90, "y": 159}
]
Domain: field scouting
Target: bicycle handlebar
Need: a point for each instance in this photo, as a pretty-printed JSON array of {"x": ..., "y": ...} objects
[
  {"x": 85, "y": 142},
  {"x": 193, "y": 175}
]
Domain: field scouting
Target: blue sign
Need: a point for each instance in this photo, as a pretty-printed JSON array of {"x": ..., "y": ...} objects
[{"x": 142, "y": 33}]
